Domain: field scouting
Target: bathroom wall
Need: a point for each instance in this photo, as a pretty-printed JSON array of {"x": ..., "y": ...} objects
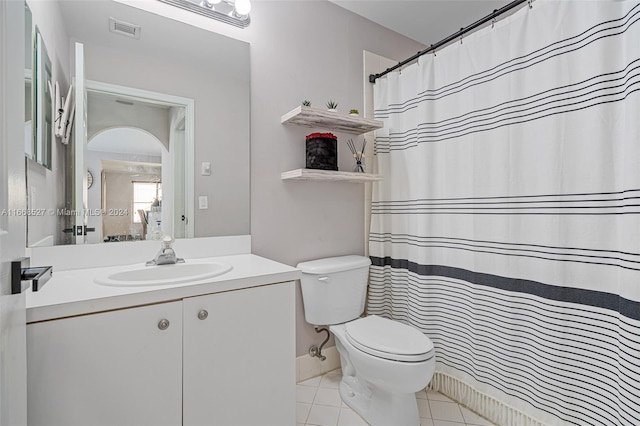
[
  {"x": 46, "y": 187},
  {"x": 307, "y": 50}
]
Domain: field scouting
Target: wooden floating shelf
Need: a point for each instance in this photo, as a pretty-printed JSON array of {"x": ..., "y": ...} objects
[
  {"x": 329, "y": 175},
  {"x": 314, "y": 117}
]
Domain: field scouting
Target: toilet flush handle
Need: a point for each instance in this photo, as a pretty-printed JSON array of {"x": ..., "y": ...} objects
[{"x": 323, "y": 279}]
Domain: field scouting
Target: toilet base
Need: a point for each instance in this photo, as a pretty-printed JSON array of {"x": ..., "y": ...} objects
[{"x": 377, "y": 407}]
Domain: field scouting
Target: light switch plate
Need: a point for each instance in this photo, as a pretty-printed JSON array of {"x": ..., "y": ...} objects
[
  {"x": 205, "y": 169},
  {"x": 203, "y": 202}
]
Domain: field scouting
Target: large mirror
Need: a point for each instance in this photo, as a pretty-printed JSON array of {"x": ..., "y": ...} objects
[{"x": 147, "y": 101}]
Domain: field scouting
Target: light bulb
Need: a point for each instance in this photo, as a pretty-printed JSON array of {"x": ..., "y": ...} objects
[{"x": 243, "y": 7}]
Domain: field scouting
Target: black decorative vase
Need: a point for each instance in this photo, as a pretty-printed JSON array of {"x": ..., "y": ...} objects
[{"x": 322, "y": 151}]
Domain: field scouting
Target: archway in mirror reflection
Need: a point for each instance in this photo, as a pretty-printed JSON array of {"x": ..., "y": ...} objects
[{"x": 126, "y": 165}]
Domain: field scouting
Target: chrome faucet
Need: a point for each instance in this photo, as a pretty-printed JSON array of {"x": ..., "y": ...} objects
[{"x": 166, "y": 255}]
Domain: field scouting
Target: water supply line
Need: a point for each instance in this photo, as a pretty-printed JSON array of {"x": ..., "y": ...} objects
[{"x": 317, "y": 350}]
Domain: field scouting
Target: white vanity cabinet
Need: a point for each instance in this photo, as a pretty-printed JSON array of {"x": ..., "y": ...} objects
[
  {"x": 225, "y": 358},
  {"x": 111, "y": 368},
  {"x": 239, "y": 357}
]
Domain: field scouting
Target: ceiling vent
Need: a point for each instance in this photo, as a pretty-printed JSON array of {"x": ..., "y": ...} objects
[{"x": 124, "y": 28}]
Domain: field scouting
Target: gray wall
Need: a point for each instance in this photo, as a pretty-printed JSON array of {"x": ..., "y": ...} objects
[{"x": 307, "y": 50}]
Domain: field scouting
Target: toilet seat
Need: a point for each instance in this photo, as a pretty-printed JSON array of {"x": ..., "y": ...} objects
[{"x": 389, "y": 339}]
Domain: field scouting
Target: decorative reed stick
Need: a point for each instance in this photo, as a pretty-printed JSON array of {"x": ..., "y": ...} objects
[{"x": 358, "y": 155}]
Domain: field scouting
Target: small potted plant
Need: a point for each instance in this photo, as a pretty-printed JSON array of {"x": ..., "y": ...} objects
[
  {"x": 306, "y": 103},
  {"x": 354, "y": 111},
  {"x": 332, "y": 106}
]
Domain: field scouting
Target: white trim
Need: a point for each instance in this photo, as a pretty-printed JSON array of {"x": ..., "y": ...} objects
[
  {"x": 133, "y": 93},
  {"x": 164, "y": 99}
]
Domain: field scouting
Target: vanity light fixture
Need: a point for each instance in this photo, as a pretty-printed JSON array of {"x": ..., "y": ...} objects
[{"x": 233, "y": 12}]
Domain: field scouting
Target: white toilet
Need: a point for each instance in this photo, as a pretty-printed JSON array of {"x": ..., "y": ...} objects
[{"x": 384, "y": 362}]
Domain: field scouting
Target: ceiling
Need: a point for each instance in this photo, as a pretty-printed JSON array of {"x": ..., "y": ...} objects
[{"x": 426, "y": 21}]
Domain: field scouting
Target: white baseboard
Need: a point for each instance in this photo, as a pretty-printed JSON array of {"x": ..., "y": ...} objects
[{"x": 308, "y": 366}]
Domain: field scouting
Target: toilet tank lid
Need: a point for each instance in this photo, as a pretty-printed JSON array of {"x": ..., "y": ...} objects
[{"x": 334, "y": 264}]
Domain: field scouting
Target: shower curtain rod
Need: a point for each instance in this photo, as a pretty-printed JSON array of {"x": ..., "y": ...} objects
[{"x": 452, "y": 37}]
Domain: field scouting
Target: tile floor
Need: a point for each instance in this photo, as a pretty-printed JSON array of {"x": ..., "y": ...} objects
[{"x": 319, "y": 404}]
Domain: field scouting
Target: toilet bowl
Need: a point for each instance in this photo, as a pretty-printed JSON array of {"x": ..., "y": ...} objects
[
  {"x": 384, "y": 362},
  {"x": 378, "y": 383}
]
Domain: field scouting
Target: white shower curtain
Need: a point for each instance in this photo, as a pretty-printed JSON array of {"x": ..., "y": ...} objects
[{"x": 507, "y": 226}]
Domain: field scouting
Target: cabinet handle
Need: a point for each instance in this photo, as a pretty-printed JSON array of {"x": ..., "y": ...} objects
[
  {"x": 203, "y": 314},
  {"x": 163, "y": 324}
]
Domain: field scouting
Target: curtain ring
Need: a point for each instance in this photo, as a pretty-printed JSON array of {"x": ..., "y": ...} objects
[
  {"x": 434, "y": 51},
  {"x": 400, "y": 68},
  {"x": 493, "y": 21},
  {"x": 530, "y": 4},
  {"x": 461, "y": 29}
]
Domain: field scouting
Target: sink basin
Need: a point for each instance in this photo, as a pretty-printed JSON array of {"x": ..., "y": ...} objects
[{"x": 164, "y": 274}]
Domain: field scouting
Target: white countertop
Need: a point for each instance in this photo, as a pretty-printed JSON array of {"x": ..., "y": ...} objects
[{"x": 73, "y": 292}]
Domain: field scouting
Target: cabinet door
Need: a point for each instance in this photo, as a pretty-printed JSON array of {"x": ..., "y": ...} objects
[
  {"x": 112, "y": 368},
  {"x": 239, "y": 361}
]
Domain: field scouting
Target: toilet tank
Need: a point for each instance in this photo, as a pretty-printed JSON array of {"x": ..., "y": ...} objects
[{"x": 334, "y": 289}]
